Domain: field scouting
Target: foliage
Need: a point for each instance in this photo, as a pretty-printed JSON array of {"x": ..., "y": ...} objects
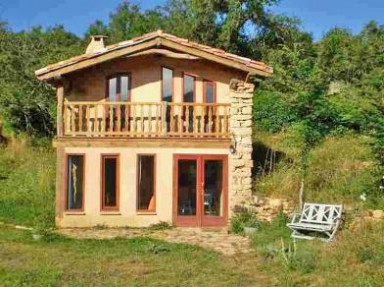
[
  {"x": 27, "y": 175},
  {"x": 243, "y": 217}
]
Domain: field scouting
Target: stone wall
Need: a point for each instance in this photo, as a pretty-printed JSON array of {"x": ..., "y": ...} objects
[{"x": 240, "y": 162}]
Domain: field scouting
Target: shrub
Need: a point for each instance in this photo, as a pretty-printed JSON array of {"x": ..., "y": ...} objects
[{"x": 243, "y": 217}]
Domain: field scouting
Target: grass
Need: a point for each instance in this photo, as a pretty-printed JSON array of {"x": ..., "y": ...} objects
[
  {"x": 355, "y": 259},
  {"x": 59, "y": 261},
  {"x": 27, "y": 184}
]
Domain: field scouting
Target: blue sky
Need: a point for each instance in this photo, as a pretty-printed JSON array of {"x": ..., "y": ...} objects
[{"x": 318, "y": 16}]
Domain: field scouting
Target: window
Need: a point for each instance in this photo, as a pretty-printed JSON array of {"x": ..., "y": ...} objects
[
  {"x": 110, "y": 182},
  {"x": 75, "y": 182},
  {"x": 189, "y": 89},
  {"x": 146, "y": 183},
  {"x": 119, "y": 88},
  {"x": 209, "y": 92},
  {"x": 167, "y": 84}
]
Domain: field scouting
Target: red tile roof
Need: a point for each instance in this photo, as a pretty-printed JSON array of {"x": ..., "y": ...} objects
[{"x": 246, "y": 64}]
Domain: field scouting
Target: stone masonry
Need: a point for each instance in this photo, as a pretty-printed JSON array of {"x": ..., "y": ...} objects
[{"x": 240, "y": 162}]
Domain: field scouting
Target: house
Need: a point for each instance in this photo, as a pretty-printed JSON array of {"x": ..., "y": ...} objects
[{"x": 156, "y": 128}]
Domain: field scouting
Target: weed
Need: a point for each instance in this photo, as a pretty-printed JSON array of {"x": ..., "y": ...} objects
[{"x": 162, "y": 225}]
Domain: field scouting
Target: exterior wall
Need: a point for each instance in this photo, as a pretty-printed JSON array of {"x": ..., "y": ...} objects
[
  {"x": 241, "y": 163},
  {"x": 145, "y": 71},
  {"x": 127, "y": 215}
]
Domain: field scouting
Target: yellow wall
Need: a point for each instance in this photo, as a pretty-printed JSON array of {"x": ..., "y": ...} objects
[
  {"x": 128, "y": 216},
  {"x": 90, "y": 84}
]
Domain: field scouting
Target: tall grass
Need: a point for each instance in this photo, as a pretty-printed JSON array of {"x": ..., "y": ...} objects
[
  {"x": 27, "y": 184},
  {"x": 340, "y": 169}
]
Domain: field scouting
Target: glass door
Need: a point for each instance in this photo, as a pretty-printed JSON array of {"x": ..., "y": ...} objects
[
  {"x": 200, "y": 195},
  {"x": 214, "y": 190},
  {"x": 186, "y": 199}
]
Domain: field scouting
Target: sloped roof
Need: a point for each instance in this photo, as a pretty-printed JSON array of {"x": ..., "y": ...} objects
[{"x": 147, "y": 41}]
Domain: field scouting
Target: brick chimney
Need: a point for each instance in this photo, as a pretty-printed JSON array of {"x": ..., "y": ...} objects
[{"x": 97, "y": 44}]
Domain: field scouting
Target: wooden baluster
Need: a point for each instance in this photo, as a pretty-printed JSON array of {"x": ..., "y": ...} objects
[
  {"x": 157, "y": 122},
  {"x": 118, "y": 107},
  {"x": 195, "y": 121},
  {"x": 73, "y": 126},
  {"x": 172, "y": 118},
  {"x": 126, "y": 115},
  {"x": 88, "y": 120},
  {"x": 142, "y": 119},
  {"x": 210, "y": 122},
  {"x": 180, "y": 115},
  {"x": 217, "y": 117},
  {"x": 226, "y": 118},
  {"x": 134, "y": 124},
  {"x": 111, "y": 118},
  {"x": 65, "y": 120},
  {"x": 186, "y": 124},
  {"x": 149, "y": 119},
  {"x": 80, "y": 118},
  {"x": 202, "y": 120}
]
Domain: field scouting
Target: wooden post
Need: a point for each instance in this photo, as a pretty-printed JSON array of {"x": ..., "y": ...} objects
[
  {"x": 164, "y": 118},
  {"x": 59, "y": 117}
]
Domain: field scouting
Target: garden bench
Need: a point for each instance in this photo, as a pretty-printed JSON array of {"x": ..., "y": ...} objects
[{"x": 315, "y": 218}]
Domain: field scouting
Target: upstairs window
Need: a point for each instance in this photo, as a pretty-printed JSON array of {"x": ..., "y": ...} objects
[
  {"x": 189, "y": 89},
  {"x": 118, "y": 89},
  {"x": 209, "y": 92},
  {"x": 167, "y": 84},
  {"x": 75, "y": 182}
]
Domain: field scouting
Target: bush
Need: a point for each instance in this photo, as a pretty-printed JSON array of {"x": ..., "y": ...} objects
[{"x": 243, "y": 217}]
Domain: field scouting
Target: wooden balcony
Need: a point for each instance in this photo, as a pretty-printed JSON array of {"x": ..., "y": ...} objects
[{"x": 130, "y": 119}]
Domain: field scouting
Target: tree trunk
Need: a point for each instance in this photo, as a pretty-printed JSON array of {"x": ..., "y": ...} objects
[{"x": 301, "y": 194}]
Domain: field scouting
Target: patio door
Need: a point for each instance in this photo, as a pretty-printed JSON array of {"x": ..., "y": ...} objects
[{"x": 200, "y": 190}]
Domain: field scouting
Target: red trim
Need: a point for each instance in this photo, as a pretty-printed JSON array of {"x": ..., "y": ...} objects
[
  {"x": 200, "y": 219},
  {"x": 66, "y": 183},
  {"x": 102, "y": 206}
]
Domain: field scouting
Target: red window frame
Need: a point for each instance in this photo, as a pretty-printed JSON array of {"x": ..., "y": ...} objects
[{"x": 102, "y": 194}]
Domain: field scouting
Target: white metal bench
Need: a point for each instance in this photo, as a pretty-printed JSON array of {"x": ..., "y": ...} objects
[{"x": 316, "y": 218}]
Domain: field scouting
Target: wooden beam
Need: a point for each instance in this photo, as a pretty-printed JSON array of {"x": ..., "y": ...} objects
[
  {"x": 165, "y": 142},
  {"x": 166, "y": 53},
  {"x": 59, "y": 116}
]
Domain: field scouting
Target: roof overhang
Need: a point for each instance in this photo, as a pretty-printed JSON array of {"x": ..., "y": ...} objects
[{"x": 154, "y": 43}]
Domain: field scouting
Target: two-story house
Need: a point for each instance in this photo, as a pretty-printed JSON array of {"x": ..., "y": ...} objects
[{"x": 156, "y": 128}]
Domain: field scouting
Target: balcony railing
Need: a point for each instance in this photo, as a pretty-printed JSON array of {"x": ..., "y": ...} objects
[{"x": 130, "y": 119}]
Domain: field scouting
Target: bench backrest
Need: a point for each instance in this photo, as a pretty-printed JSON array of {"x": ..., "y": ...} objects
[{"x": 321, "y": 213}]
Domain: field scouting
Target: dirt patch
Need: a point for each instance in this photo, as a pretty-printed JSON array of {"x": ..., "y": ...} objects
[{"x": 220, "y": 241}]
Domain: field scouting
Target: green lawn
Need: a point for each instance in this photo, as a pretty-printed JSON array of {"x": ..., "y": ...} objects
[{"x": 59, "y": 261}]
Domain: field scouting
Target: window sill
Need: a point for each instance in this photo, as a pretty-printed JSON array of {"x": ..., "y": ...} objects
[
  {"x": 110, "y": 213},
  {"x": 146, "y": 213},
  {"x": 74, "y": 213}
]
